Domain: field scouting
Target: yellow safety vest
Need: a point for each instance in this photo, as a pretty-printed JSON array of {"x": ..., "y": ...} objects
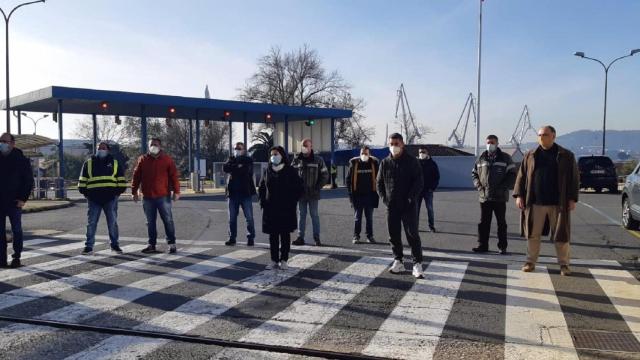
[{"x": 93, "y": 182}]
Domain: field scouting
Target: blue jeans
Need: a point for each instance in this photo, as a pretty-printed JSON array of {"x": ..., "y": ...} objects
[
  {"x": 428, "y": 199},
  {"x": 312, "y": 205},
  {"x": 151, "y": 208},
  {"x": 234, "y": 209},
  {"x": 368, "y": 214},
  {"x": 15, "y": 218},
  {"x": 93, "y": 215}
]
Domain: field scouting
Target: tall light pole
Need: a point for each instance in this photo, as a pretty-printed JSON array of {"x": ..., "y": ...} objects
[
  {"x": 606, "y": 79},
  {"x": 477, "y": 149},
  {"x": 35, "y": 122},
  {"x": 6, "y": 22}
]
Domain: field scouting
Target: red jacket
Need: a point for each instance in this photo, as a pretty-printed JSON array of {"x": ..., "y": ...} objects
[{"x": 155, "y": 176}]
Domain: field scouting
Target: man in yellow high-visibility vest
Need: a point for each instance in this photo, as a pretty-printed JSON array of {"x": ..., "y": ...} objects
[{"x": 101, "y": 182}]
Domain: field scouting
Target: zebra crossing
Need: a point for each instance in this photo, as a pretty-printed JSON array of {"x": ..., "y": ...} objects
[{"x": 328, "y": 301}]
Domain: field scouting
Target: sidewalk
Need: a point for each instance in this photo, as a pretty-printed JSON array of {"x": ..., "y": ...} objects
[{"x": 33, "y": 206}]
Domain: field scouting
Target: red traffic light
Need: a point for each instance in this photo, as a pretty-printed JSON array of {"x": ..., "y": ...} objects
[
  {"x": 104, "y": 106},
  {"x": 227, "y": 113},
  {"x": 268, "y": 117},
  {"x": 172, "y": 110}
]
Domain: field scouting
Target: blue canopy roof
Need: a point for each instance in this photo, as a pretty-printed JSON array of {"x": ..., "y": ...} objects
[{"x": 87, "y": 101}]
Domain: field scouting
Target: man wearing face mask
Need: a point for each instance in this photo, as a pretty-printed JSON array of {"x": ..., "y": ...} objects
[
  {"x": 16, "y": 184},
  {"x": 493, "y": 174},
  {"x": 157, "y": 177},
  {"x": 399, "y": 184},
  {"x": 547, "y": 188},
  {"x": 361, "y": 185},
  {"x": 102, "y": 182},
  {"x": 314, "y": 174},
  {"x": 431, "y": 176},
  {"x": 240, "y": 190}
]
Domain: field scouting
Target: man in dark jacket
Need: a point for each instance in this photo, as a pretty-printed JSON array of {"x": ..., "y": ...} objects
[
  {"x": 314, "y": 174},
  {"x": 102, "y": 182},
  {"x": 240, "y": 190},
  {"x": 431, "y": 176},
  {"x": 16, "y": 184},
  {"x": 493, "y": 174},
  {"x": 361, "y": 185},
  {"x": 399, "y": 184}
]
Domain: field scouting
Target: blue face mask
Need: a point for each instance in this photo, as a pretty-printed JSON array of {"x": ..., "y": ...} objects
[
  {"x": 102, "y": 153},
  {"x": 276, "y": 159},
  {"x": 4, "y": 148}
]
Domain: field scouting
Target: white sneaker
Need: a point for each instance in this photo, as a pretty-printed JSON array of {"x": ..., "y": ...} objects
[
  {"x": 284, "y": 265},
  {"x": 397, "y": 267},
  {"x": 417, "y": 271},
  {"x": 272, "y": 265}
]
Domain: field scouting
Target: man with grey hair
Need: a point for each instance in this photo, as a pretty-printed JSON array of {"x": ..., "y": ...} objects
[
  {"x": 16, "y": 184},
  {"x": 313, "y": 171}
]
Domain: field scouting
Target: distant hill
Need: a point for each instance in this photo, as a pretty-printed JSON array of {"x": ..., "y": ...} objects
[{"x": 584, "y": 142}]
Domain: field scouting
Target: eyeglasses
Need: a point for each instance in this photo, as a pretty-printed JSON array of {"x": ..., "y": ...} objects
[{"x": 544, "y": 135}]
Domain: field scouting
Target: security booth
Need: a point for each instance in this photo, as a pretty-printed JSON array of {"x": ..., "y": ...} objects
[
  {"x": 66, "y": 100},
  {"x": 30, "y": 146}
]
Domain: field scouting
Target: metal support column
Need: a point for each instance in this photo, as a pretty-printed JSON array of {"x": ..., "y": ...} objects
[
  {"x": 230, "y": 138},
  {"x": 333, "y": 147},
  {"x": 190, "y": 148},
  {"x": 198, "y": 188},
  {"x": 244, "y": 129},
  {"x": 143, "y": 130},
  {"x": 19, "y": 122},
  {"x": 286, "y": 134},
  {"x": 60, "y": 185},
  {"x": 94, "y": 118}
]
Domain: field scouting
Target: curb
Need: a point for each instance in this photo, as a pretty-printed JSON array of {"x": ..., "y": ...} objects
[{"x": 47, "y": 208}]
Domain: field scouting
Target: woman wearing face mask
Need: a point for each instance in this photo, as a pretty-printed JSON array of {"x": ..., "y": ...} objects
[{"x": 279, "y": 191}]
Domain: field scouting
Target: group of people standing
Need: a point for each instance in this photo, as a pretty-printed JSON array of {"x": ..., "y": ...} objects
[{"x": 546, "y": 191}]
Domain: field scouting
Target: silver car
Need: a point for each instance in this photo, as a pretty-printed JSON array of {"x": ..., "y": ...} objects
[{"x": 631, "y": 200}]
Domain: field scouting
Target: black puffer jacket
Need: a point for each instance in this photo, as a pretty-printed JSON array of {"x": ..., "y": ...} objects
[
  {"x": 278, "y": 194},
  {"x": 16, "y": 181},
  {"x": 400, "y": 181},
  {"x": 240, "y": 183},
  {"x": 493, "y": 176}
]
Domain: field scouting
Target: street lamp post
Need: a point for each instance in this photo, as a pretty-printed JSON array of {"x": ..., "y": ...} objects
[
  {"x": 35, "y": 122},
  {"x": 606, "y": 80},
  {"x": 6, "y": 21}
]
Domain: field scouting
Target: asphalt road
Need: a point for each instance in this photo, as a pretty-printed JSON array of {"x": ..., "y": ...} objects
[{"x": 337, "y": 299}]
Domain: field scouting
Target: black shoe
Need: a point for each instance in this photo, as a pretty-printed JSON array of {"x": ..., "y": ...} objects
[
  {"x": 151, "y": 249},
  {"x": 480, "y": 249},
  {"x": 433, "y": 229},
  {"x": 298, "y": 241},
  {"x": 371, "y": 240},
  {"x": 230, "y": 242},
  {"x": 250, "y": 242},
  {"x": 503, "y": 252},
  {"x": 317, "y": 241},
  {"x": 15, "y": 263},
  {"x": 172, "y": 249},
  {"x": 87, "y": 250},
  {"x": 116, "y": 249}
]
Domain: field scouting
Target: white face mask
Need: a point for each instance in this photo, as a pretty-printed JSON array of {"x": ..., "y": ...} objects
[
  {"x": 364, "y": 158},
  {"x": 305, "y": 150},
  {"x": 102, "y": 153},
  {"x": 423, "y": 156},
  {"x": 492, "y": 147},
  {"x": 237, "y": 153},
  {"x": 154, "y": 150},
  {"x": 395, "y": 150}
]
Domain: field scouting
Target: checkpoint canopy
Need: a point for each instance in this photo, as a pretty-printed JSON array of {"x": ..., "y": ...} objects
[{"x": 66, "y": 100}]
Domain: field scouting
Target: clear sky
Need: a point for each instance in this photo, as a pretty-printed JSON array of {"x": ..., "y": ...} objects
[{"x": 176, "y": 47}]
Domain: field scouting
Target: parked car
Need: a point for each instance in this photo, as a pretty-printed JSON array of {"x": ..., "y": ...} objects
[
  {"x": 631, "y": 200},
  {"x": 598, "y": 172}
]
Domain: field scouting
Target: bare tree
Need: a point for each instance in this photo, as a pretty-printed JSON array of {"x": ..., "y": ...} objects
[
  {"x": 108, "y": 130},
  {"x": 298, "y": 78}
]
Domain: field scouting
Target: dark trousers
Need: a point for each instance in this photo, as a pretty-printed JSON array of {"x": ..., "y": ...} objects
[
  {"x": 279, "y": 244},
  {"x": 15, "y": 218},
  {"x": 488, "y": 208},
  {"x": 368, "y": 214},
  {"x": 162, "y": 206},
  {"x": 427, "y": 196},
  {"x": 407, "y": 217}
]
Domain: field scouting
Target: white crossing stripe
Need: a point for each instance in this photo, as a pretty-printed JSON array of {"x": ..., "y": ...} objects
[
  {"x": 623, "y": 289},
  {"x": 52, "y": 250},
  {"x": 195, "y": 313},
  {"x": 297, "y": 323},
  {"x": 53, "y": 287},
  {"x": 31, "y": 242},
  {"x": 113, "y": 299},
  {"x": 535, "y": 327},
  {"x": 413, "y": 328}
]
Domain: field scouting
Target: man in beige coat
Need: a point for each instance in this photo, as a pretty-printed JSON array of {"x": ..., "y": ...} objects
[{"x": 546, "y": 189}]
